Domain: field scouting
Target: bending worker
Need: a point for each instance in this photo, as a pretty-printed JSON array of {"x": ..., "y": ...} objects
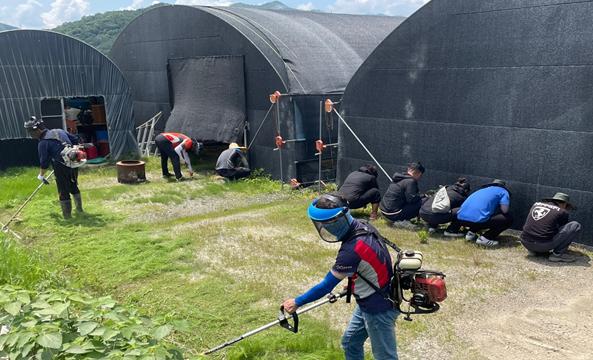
[
  {"x": 360, "y": 188},
  {"x": 486, "y": 209},
  {"x": 51, "y": 144},
  {"x": 176, "y": 146},
  {"x": 362, "y": 257},
  {"x": 443, "y": 206},
  {"x": 548, "y": 231},
  {"x": 232, "y": 163},
  {"x": 402, "y": 200}
]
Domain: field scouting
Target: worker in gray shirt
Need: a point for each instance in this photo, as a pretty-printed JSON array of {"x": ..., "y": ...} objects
[{"x": 232, "y": 163}]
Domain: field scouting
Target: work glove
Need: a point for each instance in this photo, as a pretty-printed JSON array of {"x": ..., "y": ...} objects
[{"x": 42, "y": 179}]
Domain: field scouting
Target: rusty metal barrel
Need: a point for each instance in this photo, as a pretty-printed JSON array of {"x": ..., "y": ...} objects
[{"x": 131, "y": 171}]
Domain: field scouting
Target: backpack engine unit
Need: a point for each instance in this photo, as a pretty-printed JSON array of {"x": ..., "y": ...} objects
[
  {"x": 73, "y": 155},
  {"x": 421, "y": 290}
]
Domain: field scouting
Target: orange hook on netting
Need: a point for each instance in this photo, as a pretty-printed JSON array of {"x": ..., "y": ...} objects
[
  {"x": 279, "y": 142},
  {"x": 275, "y": 96},
  {"x": 329, "y": 106},
  {"x": 319, "y": 145}
]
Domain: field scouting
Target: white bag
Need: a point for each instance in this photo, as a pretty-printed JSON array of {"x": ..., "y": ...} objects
[{"x": 441, "y": 203}]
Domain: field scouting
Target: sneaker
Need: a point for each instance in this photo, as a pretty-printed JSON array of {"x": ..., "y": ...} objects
[
  {"x": 564, "y": 257},
  {"x": 404, "y": 224},
  {"x": 471, "y": 236},
  {"x": 167, "y": 176},
  {"x": 432, "y": 230},
  {"x": 452, "y": 234},
  {"x": 486, "y": 242}
]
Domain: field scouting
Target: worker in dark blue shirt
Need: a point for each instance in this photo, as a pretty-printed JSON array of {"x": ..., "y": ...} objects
[
  {"x": 51, "y": 144},
  {"x": 364, "y": 259}
]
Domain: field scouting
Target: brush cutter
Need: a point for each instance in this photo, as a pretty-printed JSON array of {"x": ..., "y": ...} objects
[
  {"x": 282, "y": 321},
  {"x": 45, "y": 182}
]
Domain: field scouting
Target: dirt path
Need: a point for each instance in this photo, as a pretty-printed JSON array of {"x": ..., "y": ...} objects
[{"x": 549, "y": 317}]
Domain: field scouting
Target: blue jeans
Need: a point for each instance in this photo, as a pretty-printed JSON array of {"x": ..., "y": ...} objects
[{"x": 380, "y": 328}]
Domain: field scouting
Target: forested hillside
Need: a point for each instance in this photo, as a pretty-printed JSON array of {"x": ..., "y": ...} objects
[{"x": 101, "y": 30}]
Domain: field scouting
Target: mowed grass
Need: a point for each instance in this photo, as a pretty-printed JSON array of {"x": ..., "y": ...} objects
[
  {"x": 223, "y": 256},
  {"x": 145, "y": 244}
]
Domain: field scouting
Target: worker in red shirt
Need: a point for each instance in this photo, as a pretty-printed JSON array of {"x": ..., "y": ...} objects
[{"x": 176, "y": 146}]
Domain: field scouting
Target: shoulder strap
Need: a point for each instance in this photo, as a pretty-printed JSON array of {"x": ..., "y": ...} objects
[
  {"x": 368, "y": 229},
  {"x": 376, "y": 288},
  {"x": 54, "y": 134}
]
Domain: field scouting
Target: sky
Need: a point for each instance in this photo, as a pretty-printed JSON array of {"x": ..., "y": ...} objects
[{"x": 47, "y": 14}]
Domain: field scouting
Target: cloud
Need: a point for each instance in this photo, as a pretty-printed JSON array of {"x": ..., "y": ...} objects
[
  {"x": 23, "y": 15},
  {"x": 204, "y": 2},
  {"x": 386, "y": 7},
  {"x": 135, "y": 5},
  {"x": 306, "y": 7},
  {"x": 64, "y": 10}
]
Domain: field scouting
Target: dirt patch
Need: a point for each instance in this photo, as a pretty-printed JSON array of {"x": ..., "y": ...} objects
[{"x": 547, "y": 315}]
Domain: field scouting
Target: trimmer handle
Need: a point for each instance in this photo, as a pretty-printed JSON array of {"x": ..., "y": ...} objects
[{"x": 284, "y": 321}]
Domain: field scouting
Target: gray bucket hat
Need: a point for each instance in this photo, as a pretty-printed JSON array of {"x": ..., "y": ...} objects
[
  {"x": 496, "y": 182},
  {"x": 559, "y": 196}
]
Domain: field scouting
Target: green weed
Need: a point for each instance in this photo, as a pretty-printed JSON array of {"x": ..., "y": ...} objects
[{"x": 20, "y": 267}]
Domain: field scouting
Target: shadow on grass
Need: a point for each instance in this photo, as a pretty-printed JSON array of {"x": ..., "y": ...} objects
[
  {"x": 506, "y": 241},
  {"x": 86, "y": 219},
  {"x": 582, "y": 260}
]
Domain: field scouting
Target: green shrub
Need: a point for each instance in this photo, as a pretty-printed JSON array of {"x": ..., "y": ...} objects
[
  {"x": 58, "y": 324},
  {"x": 423, "y": 236}
]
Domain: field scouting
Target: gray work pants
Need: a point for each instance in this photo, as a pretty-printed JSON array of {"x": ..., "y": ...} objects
[{"x": 559, "y": 243}]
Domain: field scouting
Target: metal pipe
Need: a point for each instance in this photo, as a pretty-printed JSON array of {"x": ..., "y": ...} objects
[
  {"x": 362, "y": 144},
  {"x": 320, "y": 135},
  {"x": 279, "y": 148},
  {"x": 295, "y": 140}
]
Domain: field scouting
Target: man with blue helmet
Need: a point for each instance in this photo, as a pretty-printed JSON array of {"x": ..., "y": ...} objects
[{"x": 365, "y": 260}]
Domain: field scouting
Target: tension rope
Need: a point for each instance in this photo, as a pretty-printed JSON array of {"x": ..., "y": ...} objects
[
  {"x": 260, "y": 126},
  {"x": 328, "y": 105}
]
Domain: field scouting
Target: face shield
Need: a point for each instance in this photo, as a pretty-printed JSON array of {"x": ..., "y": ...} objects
[{"x": 331, "y": 224}]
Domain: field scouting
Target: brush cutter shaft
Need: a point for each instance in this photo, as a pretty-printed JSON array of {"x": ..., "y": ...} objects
[
  {"x": 26, "y": 202},
  {"x": 247, "y": 334},
  {"x": 329, "y": 299}
]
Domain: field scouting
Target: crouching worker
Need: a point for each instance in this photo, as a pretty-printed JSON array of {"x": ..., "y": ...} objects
[
  {"x": 402, "y": 201},
  {"x": 232, "y": 163},
  {"x": 51, "y": 144},
  {"x": 547, "y": 228},
  {"x": 362, "y": 255},
  {"x": 442, "y": 207},
  {"x": 175, "y": 146},
  {"x": 360, "y": 188},
  {"x": 486, "y": 209}
]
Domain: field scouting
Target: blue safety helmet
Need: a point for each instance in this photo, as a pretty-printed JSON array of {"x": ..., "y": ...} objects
[{"x": 331, "y": 216}]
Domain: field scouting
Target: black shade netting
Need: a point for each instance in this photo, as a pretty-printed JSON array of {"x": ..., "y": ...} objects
[
  {"x": 208, "y": 96},
  {"x": 483, "y": 89}
]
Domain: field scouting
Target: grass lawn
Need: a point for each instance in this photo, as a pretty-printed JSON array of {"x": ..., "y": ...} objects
[{"x": 224, "y": 255}]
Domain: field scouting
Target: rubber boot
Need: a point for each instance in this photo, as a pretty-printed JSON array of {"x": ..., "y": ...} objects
[
  {"x": 66, "y": 208},
  {"x": 78, "y": 203}
]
